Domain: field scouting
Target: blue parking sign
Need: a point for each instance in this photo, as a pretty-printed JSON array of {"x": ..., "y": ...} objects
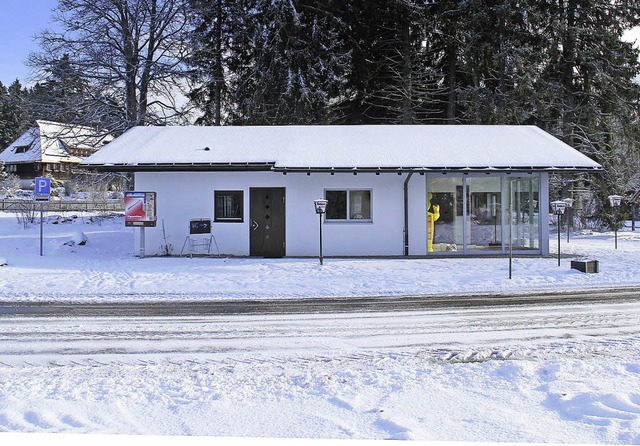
[{"x": 43, "y": 186}]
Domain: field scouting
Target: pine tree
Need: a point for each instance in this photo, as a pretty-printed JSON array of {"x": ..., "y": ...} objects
[
  {"x": 287, "y": 63},
  {"x": 390, "y": 78},
  {"x": 210, "y": 39},
  {"x": 6, "y": 133},
  {"x": 15, "y": 113},
  {"x": 61, "y": 95},
  {"x": 497, "y": 63}
]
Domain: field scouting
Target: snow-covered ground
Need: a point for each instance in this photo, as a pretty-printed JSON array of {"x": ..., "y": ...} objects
[
  {"x": 105, "y": 268},
  {"x": 534, "y": 373}
]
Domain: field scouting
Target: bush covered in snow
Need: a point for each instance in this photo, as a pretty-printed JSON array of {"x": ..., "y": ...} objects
[{"x": 9, "y": 185}]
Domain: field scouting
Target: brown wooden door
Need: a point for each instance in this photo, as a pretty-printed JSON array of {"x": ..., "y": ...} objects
[{"x": 267, "y": 226}]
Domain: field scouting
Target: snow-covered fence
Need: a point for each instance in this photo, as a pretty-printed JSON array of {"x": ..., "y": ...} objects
[{"x": 63, "y": 206}]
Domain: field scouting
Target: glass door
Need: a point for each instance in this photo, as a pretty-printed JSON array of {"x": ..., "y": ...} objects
[
  {"x": 484, "y": 213},
  {"x": 523, "y": 214},
  {"x": 445, "y": 214}
]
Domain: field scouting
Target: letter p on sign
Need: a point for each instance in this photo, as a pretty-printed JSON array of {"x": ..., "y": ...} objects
[{"x": 43, "y": 186}]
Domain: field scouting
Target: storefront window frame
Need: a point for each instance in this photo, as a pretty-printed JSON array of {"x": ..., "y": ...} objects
[{"x": 505, "y": 194}]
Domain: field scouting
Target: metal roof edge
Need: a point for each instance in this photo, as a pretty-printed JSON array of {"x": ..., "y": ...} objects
[
  {"x": 270, "y": 166},
  {"x": 178, "y": 167},
  {"x": 434, "y": 169}
]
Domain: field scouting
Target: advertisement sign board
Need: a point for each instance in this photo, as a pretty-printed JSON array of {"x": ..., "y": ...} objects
[{"x": 140, "y": 209}]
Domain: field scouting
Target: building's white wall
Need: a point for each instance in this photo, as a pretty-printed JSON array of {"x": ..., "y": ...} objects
[
  {"x": 183, "y": 196},
  {"x": 382, "y": 236}
]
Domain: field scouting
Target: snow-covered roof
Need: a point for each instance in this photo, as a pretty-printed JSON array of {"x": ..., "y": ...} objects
[
  {"x": 319, "y": 148},
  {"x": 49, "y": 142}
]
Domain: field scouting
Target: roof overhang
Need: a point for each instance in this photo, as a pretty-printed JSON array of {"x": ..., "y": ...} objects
[
  {"x": 422, "y": 170},
  {"x": 271, "y": 167},
  {"x": 179, "y": 167},
  {"x": 30, "y": 161},
  {"x": 68, "y": 160}
]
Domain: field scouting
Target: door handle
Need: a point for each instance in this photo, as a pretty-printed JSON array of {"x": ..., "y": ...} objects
[{"x": 254, "y": 225}]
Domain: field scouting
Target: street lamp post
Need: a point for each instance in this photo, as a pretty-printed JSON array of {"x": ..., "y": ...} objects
[
  {"x": 569, "y": 202},
  {"x": 615, "y": 201},
  {"x": 558, "y": 208},
  {"x": 321, "y": 207}
]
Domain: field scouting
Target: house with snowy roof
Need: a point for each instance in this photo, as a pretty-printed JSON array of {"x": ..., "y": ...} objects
[
  {"x": 391, "y": 190},
  {"x": 51, "y": 149}
]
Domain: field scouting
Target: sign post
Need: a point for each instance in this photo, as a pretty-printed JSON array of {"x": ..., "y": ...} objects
[
  {"x": 615, "y": 201},
  {"x": 559, "y": 207},
  {"x": 42, "y": 193},
  {"x": 140, "y": 211},
  {"x": 321, "y": 208}
]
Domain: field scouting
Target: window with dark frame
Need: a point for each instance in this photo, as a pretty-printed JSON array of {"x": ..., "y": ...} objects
[
  {"x": 228, "y": 206},
  {"x": 349, "y": 204}
]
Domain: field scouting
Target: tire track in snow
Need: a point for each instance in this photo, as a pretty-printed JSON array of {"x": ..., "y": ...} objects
[{"x": 463, "y": 335}]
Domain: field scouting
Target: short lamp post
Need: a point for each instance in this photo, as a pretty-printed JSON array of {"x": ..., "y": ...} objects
[
  {"x": 321, "y": 208},
  {"x": 569, "y": 202},
  {"x": 615, "y": 201},
  {"x": 558, "y": 208}
]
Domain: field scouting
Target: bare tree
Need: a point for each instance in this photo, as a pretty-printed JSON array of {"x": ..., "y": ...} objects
[{"x": 129, "y": 54}]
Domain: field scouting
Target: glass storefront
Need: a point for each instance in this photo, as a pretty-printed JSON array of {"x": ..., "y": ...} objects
[{"x": 470, "y": 213}]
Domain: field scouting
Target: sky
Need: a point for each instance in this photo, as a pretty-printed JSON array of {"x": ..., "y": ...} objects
[
  {"x": 19, "y": 22},
  {"x": 23, "y": 19}
]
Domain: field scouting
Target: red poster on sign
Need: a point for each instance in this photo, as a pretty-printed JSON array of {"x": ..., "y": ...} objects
[
  {"x": 134, "y": 208},
  {"x": 140, "y": 209}
]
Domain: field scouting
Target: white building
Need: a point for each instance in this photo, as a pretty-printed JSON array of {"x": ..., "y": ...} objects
[{"x": 257, "y": 186}]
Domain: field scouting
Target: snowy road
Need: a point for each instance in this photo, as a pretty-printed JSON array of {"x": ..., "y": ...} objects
[
  {"x": 442, "y": 331},
  {"x": 564, "y": 372}
]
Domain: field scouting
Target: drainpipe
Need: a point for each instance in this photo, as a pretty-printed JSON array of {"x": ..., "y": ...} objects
[{"x": 406, "y": 213}]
